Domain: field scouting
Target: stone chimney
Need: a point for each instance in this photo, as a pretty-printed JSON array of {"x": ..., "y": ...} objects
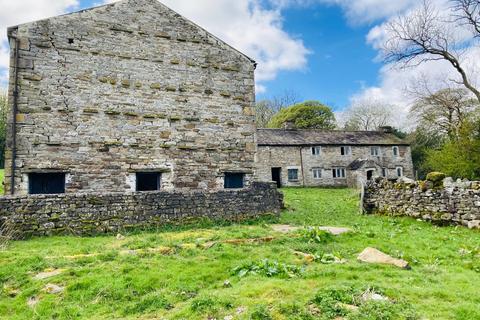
[
  {"x": 289, "y": 125},
  {"x": 386, "y": 129}
]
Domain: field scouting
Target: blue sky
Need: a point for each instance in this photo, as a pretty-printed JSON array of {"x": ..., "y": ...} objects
[{"x": 341, "y": 62}]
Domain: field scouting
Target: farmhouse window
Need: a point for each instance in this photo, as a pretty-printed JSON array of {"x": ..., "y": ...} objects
[
  {"x": 46, "y": 183},
  {"x": 316, "y": 151},
  {"x": 346, "y": 151},
  {"x": 148, "y": 181},
  {"x": 292, "y": 174},
  {"x": 375, "y": 151},
  {"x": 400, "y": 171},
  {"x": 317, "y": 173},
  {"x": 234, "y": 180},
  {"x": 384, "y": 172},
  {"x": 339, "y": 173},
  {"x": 396, "y": 152}
]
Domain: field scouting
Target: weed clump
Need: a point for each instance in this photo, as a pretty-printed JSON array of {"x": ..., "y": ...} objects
[
  {"x": 315, "y": 234},
  {"x": 269, "y": 269}
]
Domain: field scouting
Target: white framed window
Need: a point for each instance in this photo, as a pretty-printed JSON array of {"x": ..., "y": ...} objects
[
  {"x": 399, "y": 171},
  {"x": 316, "y": 151},
  {"x": 292, "y": 174},
  {"x": 346, "y": 151},
  {"x": 375, "y": 151},
  {"x": 339, "y": 173},
  {"x": 384, "y": 172},
  {"x": 317, "y": 173},
  {"x": 396, "y": 151}
]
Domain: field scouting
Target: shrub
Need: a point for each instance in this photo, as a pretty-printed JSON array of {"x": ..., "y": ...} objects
[{"x": 436, "y": 177}]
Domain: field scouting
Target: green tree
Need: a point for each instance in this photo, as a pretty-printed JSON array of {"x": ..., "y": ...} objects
[
  {"x": 422, "y": 142},
  {"x": 459, "y": 158},
  {"x": 306, "y": 115},
  {"x": 3, "y": 127}
]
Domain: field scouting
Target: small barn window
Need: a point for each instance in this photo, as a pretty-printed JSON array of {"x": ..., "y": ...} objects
[
  {"x": 375, "y": 151},
  {"x": 71, "y": 41},
  {"x": 148, "y": 181},
  {"x": 292, "y": 174},
  {"x": 316, "y": 151},
  {"x": 234, "y": 180},
  {"x": 339, "y": 173},
  {"x": 46, "y": 183},
  {"x": 346, "y": 151},
  {"x": 317, "y": 173}
]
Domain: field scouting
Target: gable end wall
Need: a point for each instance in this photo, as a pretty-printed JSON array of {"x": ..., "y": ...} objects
[{"x": 130, "y": 87}]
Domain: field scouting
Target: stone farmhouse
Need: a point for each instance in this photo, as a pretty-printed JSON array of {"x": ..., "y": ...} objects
[
  {"x": 313, "y": 158},
  {"x": 129, "y": 96}
]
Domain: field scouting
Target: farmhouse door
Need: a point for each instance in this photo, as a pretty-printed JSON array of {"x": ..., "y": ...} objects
[{"x": 277, "y": 176}]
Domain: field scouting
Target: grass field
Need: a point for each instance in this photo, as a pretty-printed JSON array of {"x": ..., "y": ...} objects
[{"x": 180, "y": 274}]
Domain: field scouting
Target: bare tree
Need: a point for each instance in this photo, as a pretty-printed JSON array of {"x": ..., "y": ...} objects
[
  {"x": 468, "y": 14},
  {"x": 445, "y": 111},
  {"x": 368, "y": 115},
  {"x": 427, "y": 35},
  {"x": 266, "y": 109}
]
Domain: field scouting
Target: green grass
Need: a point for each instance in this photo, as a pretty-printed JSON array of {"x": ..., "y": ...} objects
[
  {"x": 2, "y": 172},
  {"x": 189, "y": 283}
]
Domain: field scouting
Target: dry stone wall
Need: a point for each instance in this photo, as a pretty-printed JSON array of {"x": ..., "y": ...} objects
[
  {"x": 94, "y": 213},
  {"x": 454, "y": 202},
  {"x": 127, "y": 87}
]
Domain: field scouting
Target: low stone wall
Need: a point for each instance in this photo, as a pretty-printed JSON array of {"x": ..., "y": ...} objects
[
  {"x": 86, "y": 214},
  {"x": 453, "y": 203}
]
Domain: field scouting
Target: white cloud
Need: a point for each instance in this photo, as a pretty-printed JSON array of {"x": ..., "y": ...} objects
[{"x": 246, "y": 25}]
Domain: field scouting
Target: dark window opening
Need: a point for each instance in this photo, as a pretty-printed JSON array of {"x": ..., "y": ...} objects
[
  {"x": 46, "y": 183},
  {"x": 70, "y": 40},
  {"x": 234, "y": 180},
  {"x": 148, "y": 181}
]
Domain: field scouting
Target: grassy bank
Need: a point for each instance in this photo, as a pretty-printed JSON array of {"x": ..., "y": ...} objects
[{"x": 214, "y": 272}]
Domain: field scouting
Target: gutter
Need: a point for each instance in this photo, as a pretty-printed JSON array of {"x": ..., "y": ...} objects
[
  {"x": 14, "y": 110},
  {"x": 301, "y": 165}
]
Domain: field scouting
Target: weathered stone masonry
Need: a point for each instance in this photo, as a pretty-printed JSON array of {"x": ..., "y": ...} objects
[
  {"x": 127, "y": 87},
  {"x": 95, "y": 213},
  {"x": 457, "y": 203}
]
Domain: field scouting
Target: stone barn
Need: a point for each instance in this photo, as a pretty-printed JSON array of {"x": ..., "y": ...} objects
[
  {"x": 315, "y": 158},
  {"x": 129, "y": 96}
]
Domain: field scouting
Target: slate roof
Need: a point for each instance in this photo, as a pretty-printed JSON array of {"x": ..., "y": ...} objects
[
  {"x": 281, "y": 137},
  {"x": 360, "y": 163}
]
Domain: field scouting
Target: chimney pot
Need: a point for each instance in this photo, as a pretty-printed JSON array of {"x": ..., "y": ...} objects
[{"x": 289, "y": 125}]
